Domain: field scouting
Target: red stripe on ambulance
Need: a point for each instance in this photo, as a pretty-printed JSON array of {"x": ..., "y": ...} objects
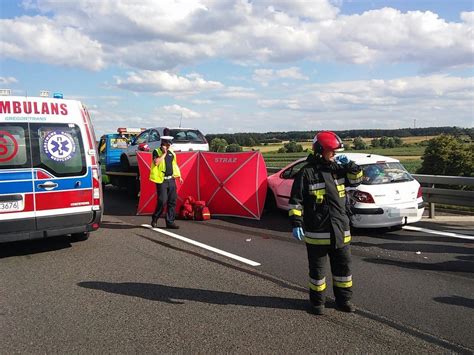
[{"x": 63, "y": 199}]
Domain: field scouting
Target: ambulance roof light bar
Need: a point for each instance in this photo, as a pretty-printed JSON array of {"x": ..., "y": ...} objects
[
  {"x": 5, "y": 92},
  {"x": 58, "y": 95},
  {"x": 44, "y": 93}
]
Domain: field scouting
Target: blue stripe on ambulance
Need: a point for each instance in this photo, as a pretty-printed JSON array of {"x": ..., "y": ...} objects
[
  {"x": 20, "y": 182},
  {"x": 15, "y": 187},
  {"x": 68, "y": 183},
  {"x": 15, "y": 175}
]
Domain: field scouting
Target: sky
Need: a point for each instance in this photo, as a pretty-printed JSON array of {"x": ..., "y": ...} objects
[{"x": 228, "y": 66}]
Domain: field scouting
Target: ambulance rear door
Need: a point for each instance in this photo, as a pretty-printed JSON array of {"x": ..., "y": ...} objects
[
  {"x": 17, "y": 211},
  {"x": 62, "y": 177}
]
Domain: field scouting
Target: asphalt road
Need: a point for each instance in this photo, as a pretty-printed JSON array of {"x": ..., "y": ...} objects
[{"x": 132, "y": 289}]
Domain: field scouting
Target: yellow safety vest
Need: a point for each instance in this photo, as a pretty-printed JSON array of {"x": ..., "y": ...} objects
[{"x": 157, "y": 172}]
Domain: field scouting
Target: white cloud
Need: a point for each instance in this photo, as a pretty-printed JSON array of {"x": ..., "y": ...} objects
[
  {"x": 234, "y": 92},
  {"x": 264, "y": 76},
  {"x": 153, "y": 35},
  {"x": 389, "y": 35},
  {"x": 7, "y": 80},
  {"x": 182, "y": 111},
  {"x": 317, "y": 10},
  {"x": 158, "y": 48},
  {"x": 291, "y": 73},
  {"x": 164, "y": 82},
  {"x": 40, "y": 39},
  {"x": 432, "y": 100},
  {"x": 201, "y": 102},
  {"x": 468, "y": 17}
]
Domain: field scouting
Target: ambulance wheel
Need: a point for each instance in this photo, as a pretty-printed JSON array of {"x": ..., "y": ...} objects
[
  {"x": 79, "y": 237},
  {"x": 124, "y": 163}
]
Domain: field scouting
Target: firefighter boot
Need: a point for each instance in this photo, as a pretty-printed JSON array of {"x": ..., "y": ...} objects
[
  {"x": 345, "y": 306},
  {"x": 154, "y": 223},
  {"x": 317, "y": 310}
]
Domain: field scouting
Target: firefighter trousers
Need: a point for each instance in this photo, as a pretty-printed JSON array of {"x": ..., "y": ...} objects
[{"x": 340, "y": 261}]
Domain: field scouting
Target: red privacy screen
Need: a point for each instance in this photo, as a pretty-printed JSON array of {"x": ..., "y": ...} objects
[{"x": 231, "y": 184}]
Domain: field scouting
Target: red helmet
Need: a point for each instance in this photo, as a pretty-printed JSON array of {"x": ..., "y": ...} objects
[{"x": 327, "y": 140}]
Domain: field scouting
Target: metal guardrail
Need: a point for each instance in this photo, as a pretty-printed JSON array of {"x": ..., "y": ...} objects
[
  {"x": 433, "y": 194},
  {"x": 443, "y": 195}
]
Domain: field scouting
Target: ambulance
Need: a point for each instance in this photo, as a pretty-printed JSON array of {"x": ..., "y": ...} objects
[{"x": 50, "y": 181}]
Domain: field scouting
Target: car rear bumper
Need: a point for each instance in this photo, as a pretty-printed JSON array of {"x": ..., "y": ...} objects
[{"x": 386, "y": 216}]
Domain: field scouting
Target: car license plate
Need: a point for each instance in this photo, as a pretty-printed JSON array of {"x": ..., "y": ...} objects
[
  {"x": 11, "y": 206},
  {"x": 403, "y": 212}
]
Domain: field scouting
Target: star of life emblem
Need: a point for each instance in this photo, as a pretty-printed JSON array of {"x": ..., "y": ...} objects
[{"x": 59, "y": 146}]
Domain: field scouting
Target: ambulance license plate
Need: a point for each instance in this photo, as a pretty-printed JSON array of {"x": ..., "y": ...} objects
[{"x": 11, "y": 206}]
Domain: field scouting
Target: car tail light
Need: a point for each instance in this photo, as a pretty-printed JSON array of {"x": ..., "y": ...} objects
[
  {"x": 95, "y": 189},
  {"x": 420, "y": 193},
  {"x": 363, "y": 197}
]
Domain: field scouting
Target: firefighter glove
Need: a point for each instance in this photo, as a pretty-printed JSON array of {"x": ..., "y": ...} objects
[
  {"x": 298, "y": 233},
  {"x": 342, "y": 159}
]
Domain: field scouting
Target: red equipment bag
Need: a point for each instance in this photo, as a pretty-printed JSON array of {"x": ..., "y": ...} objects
[
  {"x": 187, "y": 209},
  {"x": 201, "y": 213},
  {"x": 199, "y": 203}
]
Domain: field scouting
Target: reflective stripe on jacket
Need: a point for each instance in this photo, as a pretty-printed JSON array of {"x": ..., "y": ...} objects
[
  {"x": 318, "y": 201},
  {"x": 157, "y": 172}
]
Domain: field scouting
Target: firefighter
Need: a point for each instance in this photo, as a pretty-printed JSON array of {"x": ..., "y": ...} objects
[
  {"x": 317, "y": 211},
  {"x": 164, "y": 170}
]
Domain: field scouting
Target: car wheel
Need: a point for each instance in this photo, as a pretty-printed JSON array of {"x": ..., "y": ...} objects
[
  {"x": 270, "y": 202},
  {"x": 133, "y": 187},
  {"x": 124, "y": 163},
  {"x": 79, "y": 237}
]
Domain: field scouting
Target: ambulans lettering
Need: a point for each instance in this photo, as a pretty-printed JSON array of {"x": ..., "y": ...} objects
[
  {"x": 8, "y": 146},
  {"x": 28, "y": 107},
  {"x": 59, "y": 146},
  {"x": 225, "y": 160}
]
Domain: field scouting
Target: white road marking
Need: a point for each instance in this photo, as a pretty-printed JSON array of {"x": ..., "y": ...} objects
[
  {"x": 204, "y": 246},
  {"x": 446, "y": 234}
]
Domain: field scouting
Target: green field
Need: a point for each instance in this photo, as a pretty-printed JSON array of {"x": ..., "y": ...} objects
[{"x": 409, "y": 156}]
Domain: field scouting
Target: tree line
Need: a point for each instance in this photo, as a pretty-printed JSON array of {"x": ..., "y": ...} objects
[{"x": 252, "y": 139}]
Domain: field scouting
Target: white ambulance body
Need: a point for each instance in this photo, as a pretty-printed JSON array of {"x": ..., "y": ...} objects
[{"x": 50, "y": 182}]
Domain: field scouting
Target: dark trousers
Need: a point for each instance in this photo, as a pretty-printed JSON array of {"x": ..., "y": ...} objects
[
  {"x": 340, "y": 260},
  {"x": 166, "y": 196}
]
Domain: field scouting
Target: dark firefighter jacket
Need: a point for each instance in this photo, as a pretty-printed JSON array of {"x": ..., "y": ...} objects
[{"x": 318, "y": 200}]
